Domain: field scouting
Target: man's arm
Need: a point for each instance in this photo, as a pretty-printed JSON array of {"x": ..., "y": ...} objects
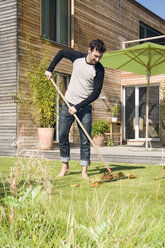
[
  {"x": 68, "y": 54},
  {"x": 98, "y": 83}
]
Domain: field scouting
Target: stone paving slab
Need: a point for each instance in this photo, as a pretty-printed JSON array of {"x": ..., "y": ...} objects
[
  {"x": 119, "y": 154},
  {"x": 116, "y": 154}
]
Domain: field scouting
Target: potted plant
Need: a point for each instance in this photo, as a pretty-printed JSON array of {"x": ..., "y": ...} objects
[
  {"x": 110, "y": 143},
  {"x": 39, "y": 101},
  {"x": 115, "y": 113},
  {"x": 99, "y": 127}
]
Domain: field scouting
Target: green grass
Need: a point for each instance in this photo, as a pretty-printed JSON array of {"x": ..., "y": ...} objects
[{"x": 124, "y": 213}]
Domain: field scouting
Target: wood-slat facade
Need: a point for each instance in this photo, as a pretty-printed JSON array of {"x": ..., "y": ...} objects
[
  {"x": 113, "y": 21},
  {"x": 8, "y": 76}
]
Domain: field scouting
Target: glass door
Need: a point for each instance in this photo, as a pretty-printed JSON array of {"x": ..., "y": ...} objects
[
  {"x": 129, "y": 112},
  {"x": 153, "y": 118},
  {"x": 135, "y": 112}
]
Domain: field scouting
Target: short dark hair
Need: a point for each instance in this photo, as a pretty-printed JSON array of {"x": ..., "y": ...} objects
[{"x": 98, "y": 44}]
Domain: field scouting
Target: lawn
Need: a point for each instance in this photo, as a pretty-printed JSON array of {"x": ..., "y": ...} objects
[{"x": 48, "y": 212}]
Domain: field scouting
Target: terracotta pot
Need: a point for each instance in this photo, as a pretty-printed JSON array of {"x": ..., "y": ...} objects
[
  {"x": 98, "y": 140},
  {"x": 45, "y": 138}
]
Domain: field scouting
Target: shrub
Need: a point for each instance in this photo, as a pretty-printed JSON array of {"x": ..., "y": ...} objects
[
  {"x": 100, "y": 127},
  {"x": 38, "y": 101}
]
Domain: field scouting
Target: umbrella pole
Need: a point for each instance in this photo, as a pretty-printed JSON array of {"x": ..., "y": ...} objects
[{"x": 147, "y": 111}]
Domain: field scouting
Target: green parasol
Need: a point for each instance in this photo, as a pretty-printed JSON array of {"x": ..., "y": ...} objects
[{"x": 145, "y": 59}]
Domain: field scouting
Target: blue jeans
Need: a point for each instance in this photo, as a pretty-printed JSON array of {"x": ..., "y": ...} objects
[{"x": 65, "y": 122}]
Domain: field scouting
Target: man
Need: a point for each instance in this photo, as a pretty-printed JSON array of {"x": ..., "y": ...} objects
[{"x": 84, "y": 87}]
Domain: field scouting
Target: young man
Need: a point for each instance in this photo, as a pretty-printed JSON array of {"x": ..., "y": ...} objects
[{"x": 84, "y": 87}]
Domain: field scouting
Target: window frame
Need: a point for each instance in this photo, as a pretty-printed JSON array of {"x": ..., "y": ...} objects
[
  {"x": 147, "y": 27},
  {"x": 70, "y": 34}
]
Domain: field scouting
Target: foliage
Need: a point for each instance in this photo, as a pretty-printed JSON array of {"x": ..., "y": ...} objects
[
  {"x": 163, "y": 125},
  {"x": 127, "y": 213},
  {"x": 110, "y": 143},
  {"x": 115, "y": 110},
  {"x": 26, "y": 191},
  {"x": 99, "y": 127},
  {"x": 39, "y": 102}
]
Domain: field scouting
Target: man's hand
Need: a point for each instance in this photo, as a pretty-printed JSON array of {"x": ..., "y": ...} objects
[
  {"x": 48, "y": 75},
  {"x": 72, "y": 110}
]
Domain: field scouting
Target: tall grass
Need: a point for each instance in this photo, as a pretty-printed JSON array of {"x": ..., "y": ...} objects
[
  {"x": 34, "y": 213},
  {"x": 38, "y": 224}
]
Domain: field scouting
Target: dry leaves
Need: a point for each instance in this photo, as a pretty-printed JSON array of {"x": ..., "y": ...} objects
[
  {"x": 131, "y": 176},
  {"x": 74, "y": 185},
  {"x": 108, "y": 176},
  {"x": 116, "y": 176},
  {"x": 94, "y": 184},
  {"x": 158, "y": 178}
]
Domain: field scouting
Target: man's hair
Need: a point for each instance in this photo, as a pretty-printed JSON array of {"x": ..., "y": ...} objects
[{"x": 98, "y": 44}]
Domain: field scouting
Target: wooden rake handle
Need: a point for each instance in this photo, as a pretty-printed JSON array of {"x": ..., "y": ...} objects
[{"x": 82, "y": 127}]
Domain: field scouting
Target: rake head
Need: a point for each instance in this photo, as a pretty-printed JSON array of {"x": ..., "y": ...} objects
[{"x": 108, "y": 177}]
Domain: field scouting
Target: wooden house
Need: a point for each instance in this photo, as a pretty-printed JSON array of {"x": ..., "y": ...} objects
[{"x": 72, "y": 24}]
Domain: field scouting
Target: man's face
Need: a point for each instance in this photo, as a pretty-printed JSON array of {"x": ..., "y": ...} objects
[{"x": 94, "y": 56}]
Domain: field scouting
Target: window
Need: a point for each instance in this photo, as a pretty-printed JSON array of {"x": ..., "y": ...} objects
[
  {"x": 55, "y": 20},
  {"x": 147, "y": 32}
]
